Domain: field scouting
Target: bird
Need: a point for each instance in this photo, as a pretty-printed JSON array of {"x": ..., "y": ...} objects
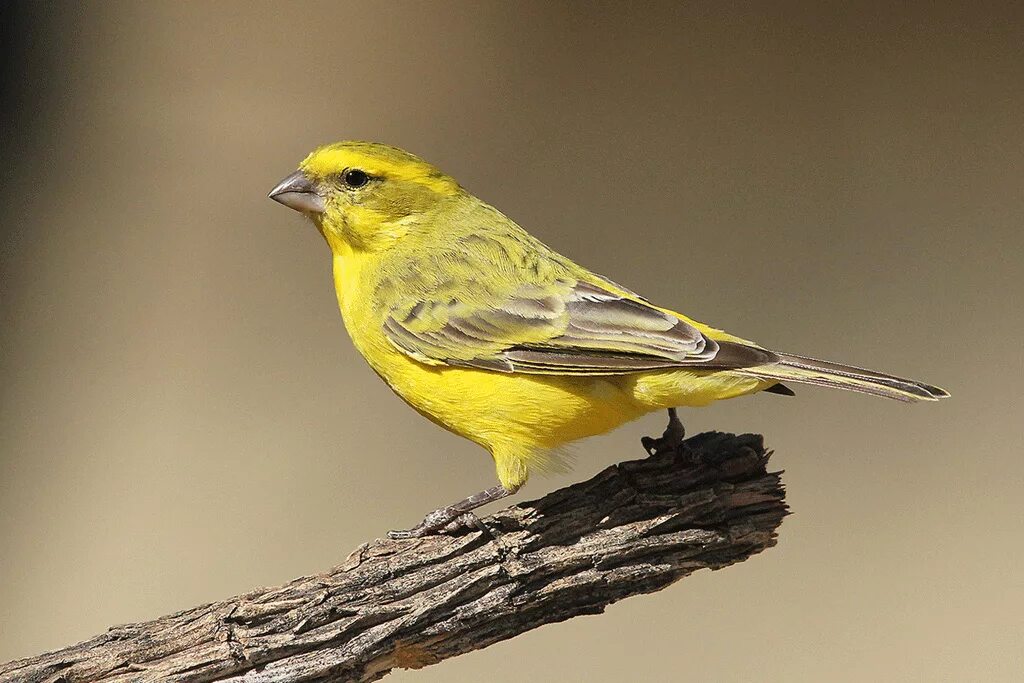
[{"x": 491, "y": 334}]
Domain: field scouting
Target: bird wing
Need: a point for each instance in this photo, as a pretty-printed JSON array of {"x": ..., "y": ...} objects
[{"x": 564, "y": 326}]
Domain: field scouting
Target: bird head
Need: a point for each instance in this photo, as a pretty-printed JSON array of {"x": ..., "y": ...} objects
[{"x": 365, "y": 195}]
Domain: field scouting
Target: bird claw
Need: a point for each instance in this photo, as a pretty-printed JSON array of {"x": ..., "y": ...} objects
[
  {"x": 468, "y": 521},
  {"x": 444, "y": 521},
  {"x": 670, "y": 440},
  {"x": 457, "y": 517},
  {"x": 433, "y": 523}
]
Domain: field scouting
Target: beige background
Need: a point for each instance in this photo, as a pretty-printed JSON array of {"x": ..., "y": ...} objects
[{"x": 183, "y": 417}]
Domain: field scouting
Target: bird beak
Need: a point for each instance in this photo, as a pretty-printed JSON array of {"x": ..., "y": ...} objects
[{"x": 298, "y": 192}]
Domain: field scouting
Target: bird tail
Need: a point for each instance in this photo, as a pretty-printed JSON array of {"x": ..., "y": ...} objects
[{"x": 793, "y": 368}]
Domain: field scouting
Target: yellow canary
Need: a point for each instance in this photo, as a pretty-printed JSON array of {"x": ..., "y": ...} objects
[{"x": 494, "y": 336}]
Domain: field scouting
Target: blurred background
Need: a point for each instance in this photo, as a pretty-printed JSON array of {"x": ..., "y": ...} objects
[{"x": 183, "y": 418}]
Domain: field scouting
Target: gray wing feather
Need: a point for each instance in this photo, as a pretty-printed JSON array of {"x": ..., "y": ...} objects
[{"x": 572, "y": 328}]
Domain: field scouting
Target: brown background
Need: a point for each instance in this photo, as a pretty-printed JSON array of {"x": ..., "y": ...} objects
[{"x": 183, "y": 417}]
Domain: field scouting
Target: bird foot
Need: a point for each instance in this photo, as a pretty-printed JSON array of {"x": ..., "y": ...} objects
[
  {"x": 442, "y": 521},
  {"x": 435, "y": 522},
  {"x": 468, "y": 521},
  {"x": 454, "y": 518},
  {"x": 670, "y": 440}
]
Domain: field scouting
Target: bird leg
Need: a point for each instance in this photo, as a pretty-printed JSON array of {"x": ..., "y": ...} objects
[
  {"x": 670, "y": 440},
  {"x": 454, "y": 517}
]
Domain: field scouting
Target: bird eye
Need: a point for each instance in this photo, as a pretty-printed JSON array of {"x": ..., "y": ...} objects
[{"x": 355, "y": 178}]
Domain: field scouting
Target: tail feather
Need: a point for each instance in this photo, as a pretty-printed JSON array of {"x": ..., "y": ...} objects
[{"x": 795, "y": 368}]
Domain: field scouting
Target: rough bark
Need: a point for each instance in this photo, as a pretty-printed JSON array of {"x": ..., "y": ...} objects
[{"x": 634, "y": 528}]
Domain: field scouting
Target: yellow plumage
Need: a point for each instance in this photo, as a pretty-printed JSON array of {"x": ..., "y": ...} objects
[{"x": 489, "y": 333}]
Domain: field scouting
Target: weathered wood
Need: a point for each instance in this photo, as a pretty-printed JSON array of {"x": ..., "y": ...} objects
[{"x": 634, "y": 528}]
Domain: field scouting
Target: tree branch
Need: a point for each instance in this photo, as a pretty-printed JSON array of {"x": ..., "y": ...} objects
[{"x": 634, "y": 528}]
